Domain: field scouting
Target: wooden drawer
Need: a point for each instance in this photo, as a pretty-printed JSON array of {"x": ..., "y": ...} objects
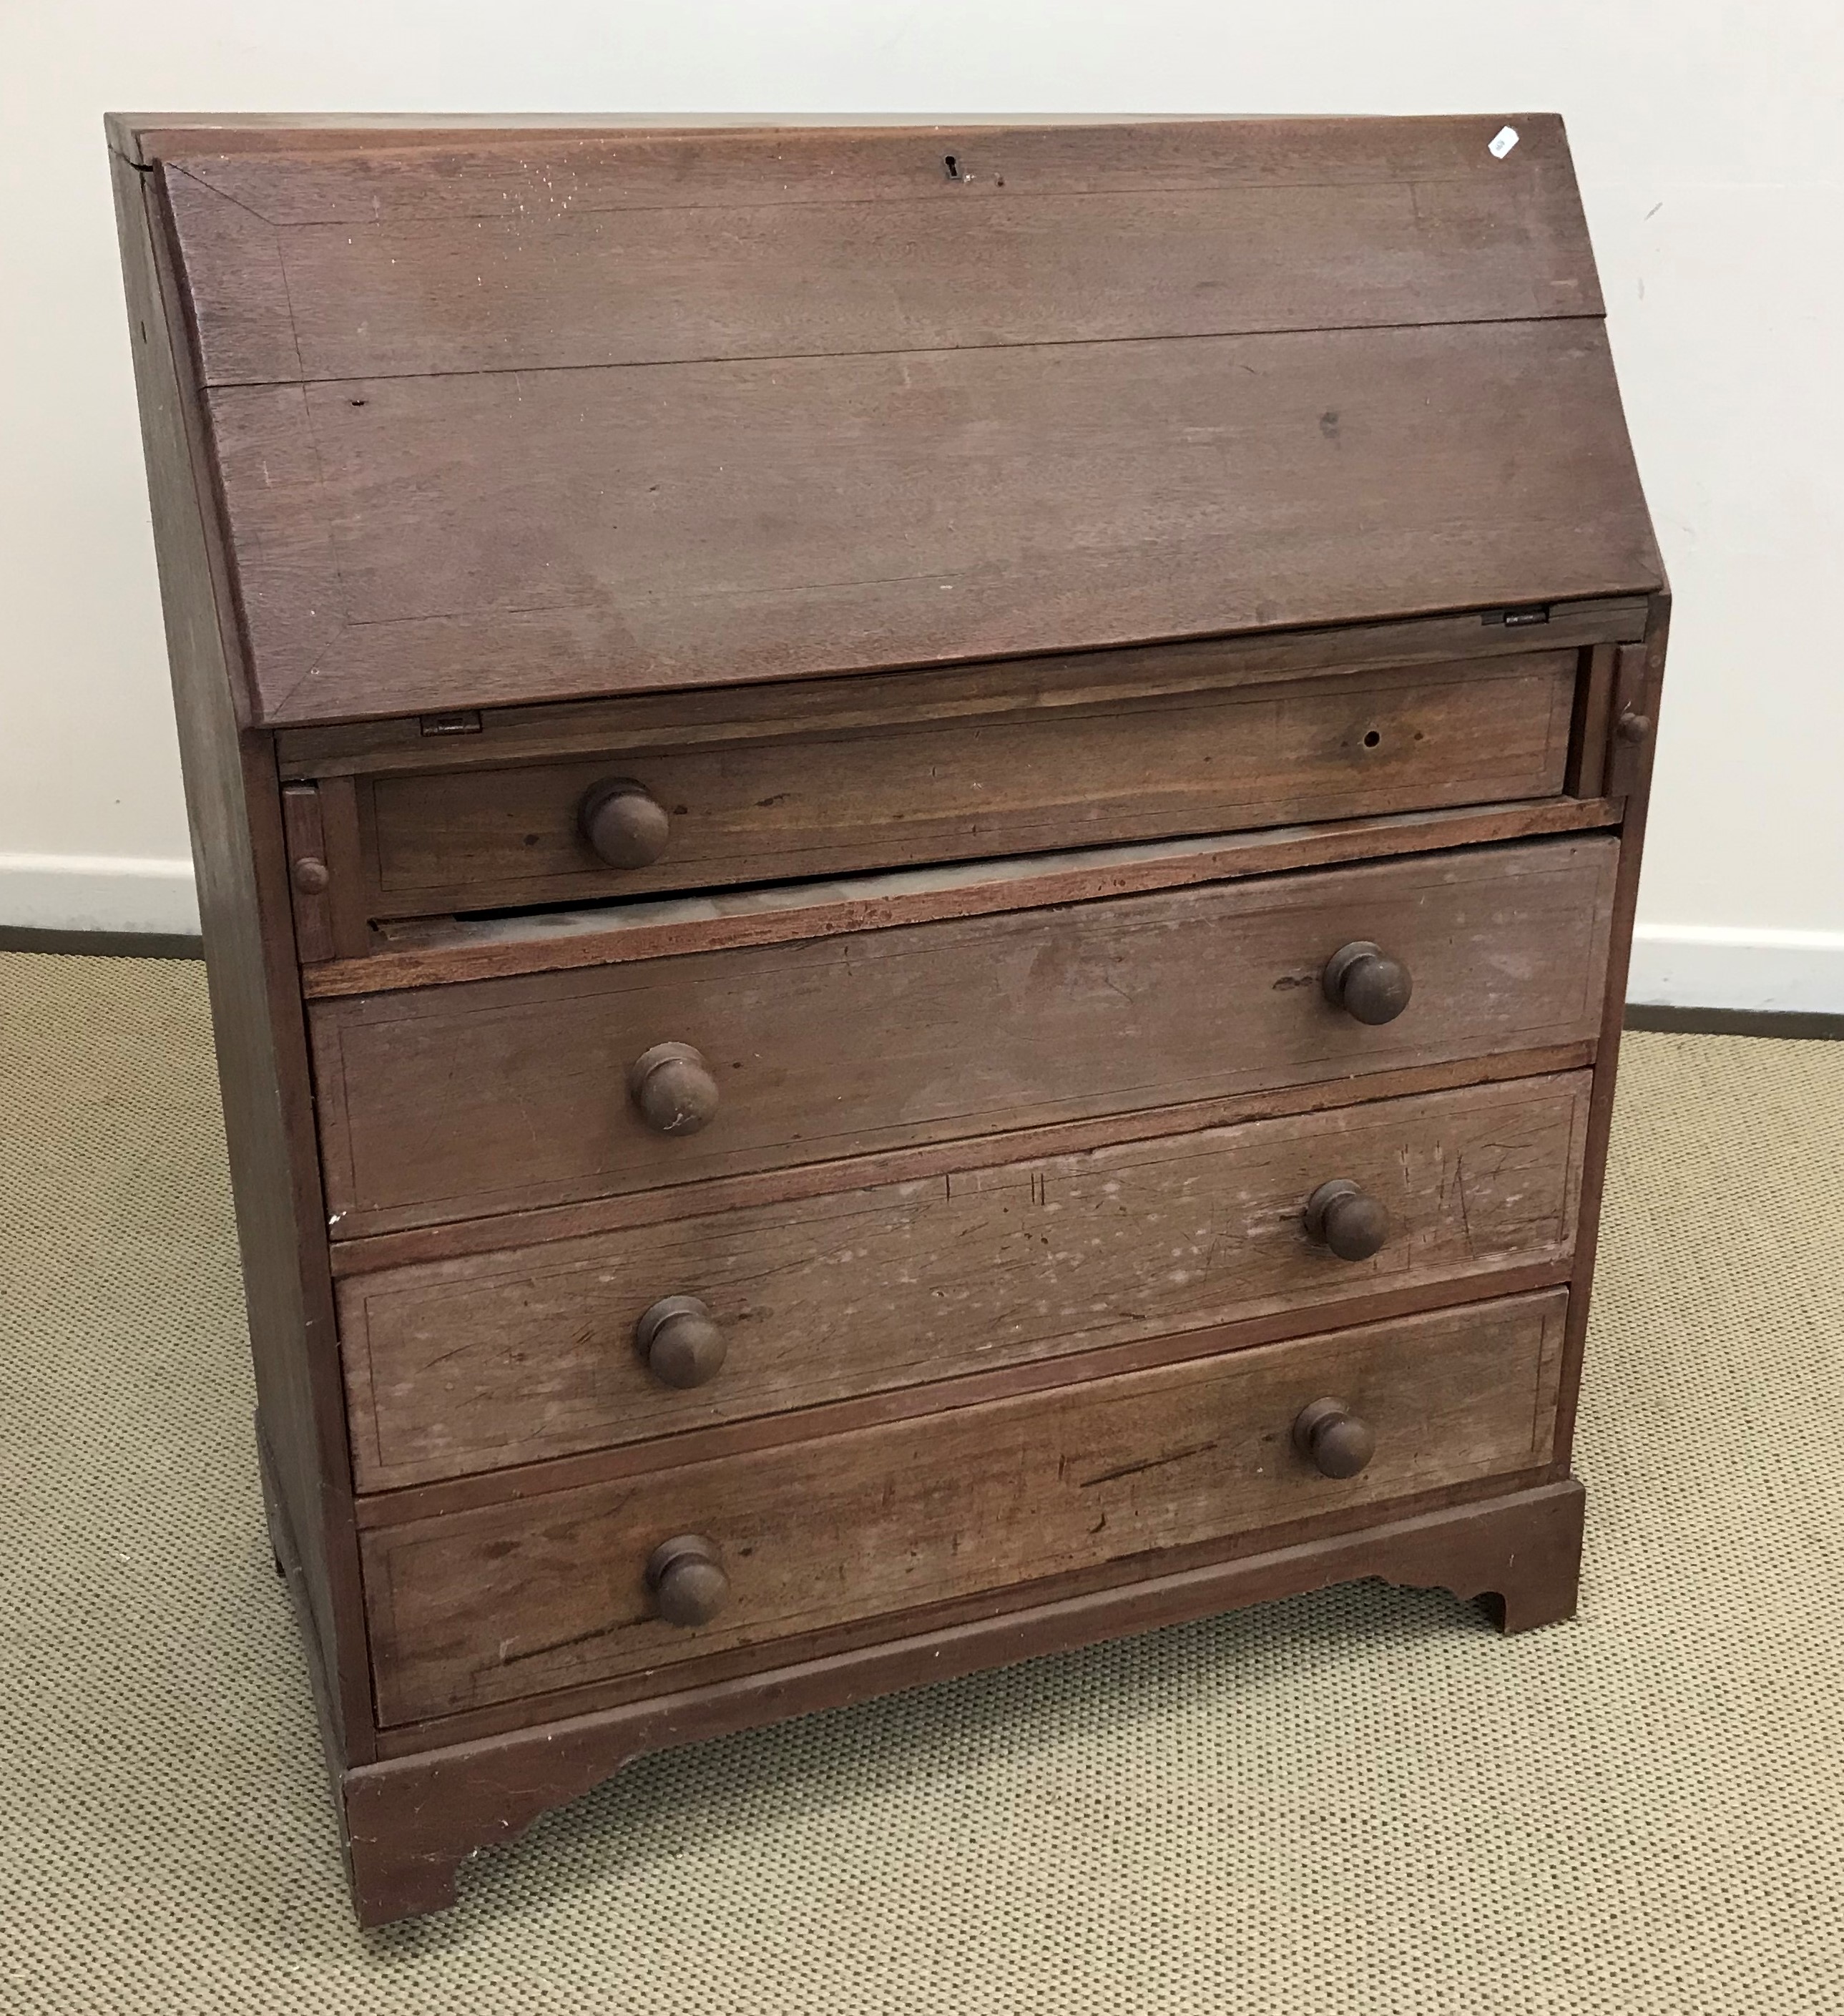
[
  {"x": 1031, "y": 778},
  {"x": 452, "y": 1102},
  {"x": 474, "y": 1364},
  {"x": 509, "y": 1600}
]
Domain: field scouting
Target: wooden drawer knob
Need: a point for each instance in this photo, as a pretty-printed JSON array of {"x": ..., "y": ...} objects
[
  {"x": 624, "y": 822},
  {"x": 1332, "y": 1439},
  {"x": 686, "y": 1576},
  {"x": 1360, "y": 981},
  {"x": 1347, "y": 1220},
  {"x": 679, "y": 1340},
  {"x": 672, "y": 1086}
]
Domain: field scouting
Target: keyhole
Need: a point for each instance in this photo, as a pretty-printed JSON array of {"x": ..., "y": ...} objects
[
  {"x": 954, "y": 168},
  {"x": 1371, "y": 740}
]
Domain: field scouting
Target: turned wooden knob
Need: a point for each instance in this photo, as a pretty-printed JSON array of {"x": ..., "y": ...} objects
[
  {"x": 1332, "y": 1439},
  {"x": 1360, "y": 981},
  {"x": 672, "y": 1086},
  {"x": 624, "y": 822},
  {"x": 1632, "y": 727},
  {"x": 686, "y": 1576},
  {"x": 1346, "y": 1219},
  {"x": 311, "y": 875},
  {"x": 679, "y": 1338}
]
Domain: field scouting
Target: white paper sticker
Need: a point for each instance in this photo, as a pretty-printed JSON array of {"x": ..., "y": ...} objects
[{"x": 1502, "y": 141}]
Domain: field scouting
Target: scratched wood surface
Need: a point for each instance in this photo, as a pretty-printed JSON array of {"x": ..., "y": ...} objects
[
  {"x": 422, "y": 951},
  {"x": 510, "y": 1600},
  {"x": 511, "y": 1358},
  {"x": 1022, "y": 783},
  {"x": 847, "y": 408},
  {"x": 412, "y": 544},
  {"x": 236, "y": 819},
  {"x": 536, "y": 252},
  {"x": 735, "y": 448},
  {"x": 445, "y": 1103},
  {"x": 494, "y": 738}
]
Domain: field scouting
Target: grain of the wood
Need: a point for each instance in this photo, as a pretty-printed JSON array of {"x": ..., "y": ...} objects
[
  {"x": 425, "y": 952},
  {"x": 1085, "y": 443},
  {"x": 1642, "y": 684},
  {"x": 413, "y": 1818},
  {"x": 1029, "y": 782},
  {"x": 446, "y": 1102},
  {"x": 234, "y": 807},
  {"x": 322, "y": 1677},
  {"x": 880, "y": 511},
  {"x": 627, "y": 251},
  {"x": 591, "y": 1697},
  {"x": 722, "y": 716},
  {"x": 372, "y": 1254},
  {"x": 409, "y": 1503},
  {"x": 504, "y": 1603},
  {"x": 145, "y": 138},
  {"x": 511, "y": 1358}
]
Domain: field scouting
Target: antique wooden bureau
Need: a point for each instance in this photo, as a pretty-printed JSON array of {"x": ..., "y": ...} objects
[{"x": 916, "y": 847}]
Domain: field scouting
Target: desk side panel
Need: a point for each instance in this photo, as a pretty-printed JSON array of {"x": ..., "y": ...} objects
[{"x": 233, "y": 804}]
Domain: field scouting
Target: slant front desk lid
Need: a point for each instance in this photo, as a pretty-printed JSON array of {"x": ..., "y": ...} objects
[{"x": 508, "y": 414}]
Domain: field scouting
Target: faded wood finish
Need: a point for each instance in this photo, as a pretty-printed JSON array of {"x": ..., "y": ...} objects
[
  {"x": 592, "y": 1696},
  {"x": 1254, "y": 440},
  {"x": 493, "y": 738},
  {"x": 377, "y": 1252},
  {"x": 881, "y": 509},
  {"x": 435, "y": 951},
  {"x": 1641, "y": 679},
  {"x": 610, "y": 249},
  {"x": 412, "y": 1819},
  {"x": 235, "y": 813},
  {"x": 1018, "y": 783},
  {"x": 875, "y": 1406},
  {"x": 514, "y": 1358},
  {"x": 447, "y": 1103},
  {"x": 500, "y": 1604},
  {"x": 1173, "y": 1179}
]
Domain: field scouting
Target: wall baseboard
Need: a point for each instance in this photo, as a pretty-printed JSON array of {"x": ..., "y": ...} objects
[
  {"x": 99, "y": 893},
  {"x": 1735, "y": 1022},
  {"x": 1741, "y": 969},
  {"x": 102, "y": 945}
]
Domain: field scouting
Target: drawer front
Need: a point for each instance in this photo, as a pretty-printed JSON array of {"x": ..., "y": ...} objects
[
  {"x": 1039, "y": 778},
  {"x": 471, "y": 1365},
  {"x": 454, "y": 1102},
  {"x": 511, "y": 1600}
]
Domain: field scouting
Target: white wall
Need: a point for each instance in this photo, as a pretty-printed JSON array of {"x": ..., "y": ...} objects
[{"x": 1706, "y": 134}]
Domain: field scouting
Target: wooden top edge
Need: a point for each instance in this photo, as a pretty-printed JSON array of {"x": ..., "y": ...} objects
[{"x": 145, "y": 138}]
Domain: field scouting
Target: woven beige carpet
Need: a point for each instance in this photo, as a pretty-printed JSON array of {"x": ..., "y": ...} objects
[{"x": 1360, "y": 1800}]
